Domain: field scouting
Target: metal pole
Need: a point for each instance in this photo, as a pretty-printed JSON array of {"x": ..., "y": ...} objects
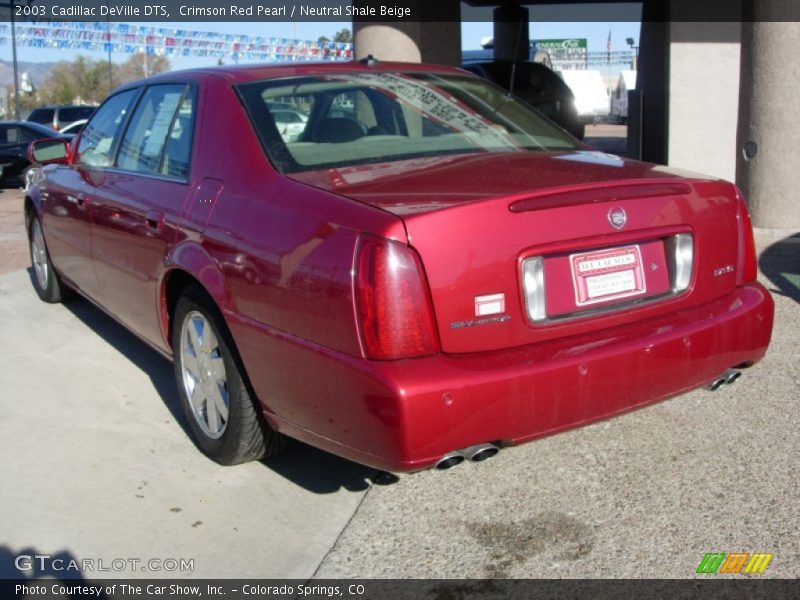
[
  {"x": 108, "y": 33},
  {"x": 16, "y": 69}
]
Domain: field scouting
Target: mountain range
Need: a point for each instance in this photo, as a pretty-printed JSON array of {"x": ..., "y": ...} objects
[{"x": 37, "y": 71}]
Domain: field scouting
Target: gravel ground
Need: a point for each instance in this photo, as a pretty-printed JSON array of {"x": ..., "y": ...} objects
[{"x": 13, "y": 244}]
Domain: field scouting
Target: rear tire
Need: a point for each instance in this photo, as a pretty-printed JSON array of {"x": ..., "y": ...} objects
[
  {"x": 222, "y": 412},
  {"x": 46, "y": 281}
]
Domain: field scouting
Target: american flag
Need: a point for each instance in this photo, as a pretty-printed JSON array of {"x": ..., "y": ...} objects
[{"x": 608, "y": 46}]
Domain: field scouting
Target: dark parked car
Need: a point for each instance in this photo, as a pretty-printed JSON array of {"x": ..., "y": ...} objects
[
  {"x": 58, "y": 116},
  {"x": 443, "y": 273},
  {"x": 537, "y": 85},
  {"x": 14, "y": 139}
]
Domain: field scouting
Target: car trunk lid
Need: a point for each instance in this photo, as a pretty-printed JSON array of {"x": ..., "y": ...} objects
[{"x": 598, "y": 238}]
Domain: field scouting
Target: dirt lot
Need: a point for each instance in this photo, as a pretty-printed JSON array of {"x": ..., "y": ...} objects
[{"x": 13, "y": 243}]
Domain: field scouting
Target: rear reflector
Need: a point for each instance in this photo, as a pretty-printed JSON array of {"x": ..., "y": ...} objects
[
  {"x": 681, "y": 247},
  {"x": 533, "y": 284},
  {"x": 393, "y": 301}
]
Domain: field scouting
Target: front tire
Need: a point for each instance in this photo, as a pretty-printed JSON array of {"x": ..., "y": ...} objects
[
  {"x": 223, "y": 415},
  {"x": 46, "y": 281}
]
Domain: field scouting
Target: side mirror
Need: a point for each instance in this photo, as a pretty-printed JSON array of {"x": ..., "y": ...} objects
[{"x": 49, "y": 151}]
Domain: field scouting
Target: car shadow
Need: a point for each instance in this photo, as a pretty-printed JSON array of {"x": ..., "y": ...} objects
[
  {"x": 308, "y": 467},
  {"x": 780, "y": 264}
]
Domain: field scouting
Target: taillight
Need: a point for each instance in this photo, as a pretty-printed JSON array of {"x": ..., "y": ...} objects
[
  {"x": 393, "y": 301},
  {"x": 747, "y": 267}
]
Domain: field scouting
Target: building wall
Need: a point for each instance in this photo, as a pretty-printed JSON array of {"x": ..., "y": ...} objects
[{"x": 704, "y": 97}]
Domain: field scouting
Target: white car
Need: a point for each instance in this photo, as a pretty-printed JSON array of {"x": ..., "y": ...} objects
[
  {"x": 75, "y": 127},
  {"x": 290, "y": 123}
]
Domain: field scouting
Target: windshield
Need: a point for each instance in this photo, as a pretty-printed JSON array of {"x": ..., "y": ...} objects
[{"x": 365, "y": 117}]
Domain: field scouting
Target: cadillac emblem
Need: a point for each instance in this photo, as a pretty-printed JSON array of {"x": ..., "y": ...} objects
[{"x": 617, "y": 217}]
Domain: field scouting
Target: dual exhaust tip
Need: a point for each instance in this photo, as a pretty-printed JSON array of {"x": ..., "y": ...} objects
[
  {"x": 477, "y": 453},
  {"x": 726, "y": 378},
  {"x": 481, "y": 452}
]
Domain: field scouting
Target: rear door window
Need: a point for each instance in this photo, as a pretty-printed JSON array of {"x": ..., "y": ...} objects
[
  {"x": 178, "y": 149},
  {"x": 143, "y": 144}
]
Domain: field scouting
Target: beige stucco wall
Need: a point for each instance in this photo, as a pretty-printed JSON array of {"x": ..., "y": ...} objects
[{"x": 704, "y": 97}]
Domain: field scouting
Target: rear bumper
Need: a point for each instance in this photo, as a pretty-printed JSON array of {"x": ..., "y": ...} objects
[{"x": 404, "y": 415}]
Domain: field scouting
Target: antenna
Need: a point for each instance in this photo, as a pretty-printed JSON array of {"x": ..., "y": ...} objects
[
  {"x": 369, "y": 60},
  {"x": 514, "y": 61}
]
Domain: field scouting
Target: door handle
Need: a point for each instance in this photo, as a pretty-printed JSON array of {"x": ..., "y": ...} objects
[{"x": 155, "y": 219}]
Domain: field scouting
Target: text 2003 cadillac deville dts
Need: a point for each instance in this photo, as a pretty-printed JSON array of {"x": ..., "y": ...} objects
[{"x": 429, "y": 270}]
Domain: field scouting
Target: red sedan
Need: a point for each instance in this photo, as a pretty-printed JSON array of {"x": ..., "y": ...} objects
[{"x": 430, "y": 271}]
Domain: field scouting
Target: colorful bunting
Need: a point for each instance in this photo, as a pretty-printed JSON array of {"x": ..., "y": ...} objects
[{"x": 126, "y": 38}]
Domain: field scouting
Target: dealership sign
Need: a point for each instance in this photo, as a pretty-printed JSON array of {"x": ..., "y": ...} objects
[{"x": 563, "y": 44}]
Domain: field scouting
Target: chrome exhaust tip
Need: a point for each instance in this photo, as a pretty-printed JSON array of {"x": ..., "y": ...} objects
[
  {"x": 480, "y": 452},
  {"x": 449, "y": 460},
  {"x": 731, "y": 375},
  {"x": 728, "y": 377}
]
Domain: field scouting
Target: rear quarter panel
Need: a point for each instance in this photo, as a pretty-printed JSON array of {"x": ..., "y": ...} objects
[{"x": 280, "y": 252}]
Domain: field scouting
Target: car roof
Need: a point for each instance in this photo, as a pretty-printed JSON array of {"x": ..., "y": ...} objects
[{"x": 237, "y": 74}]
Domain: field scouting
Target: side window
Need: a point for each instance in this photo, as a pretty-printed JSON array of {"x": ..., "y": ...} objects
[
  {"x": 11, "y": 135},
  {"x": 143, "y": 145},
  {"x": 179, "y": 142},
  {"x": 4, "y": 129},
  {"x": 96, "y": 145}
]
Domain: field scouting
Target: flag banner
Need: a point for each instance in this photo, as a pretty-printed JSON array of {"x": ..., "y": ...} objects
[{"x": 125, "y": 38}]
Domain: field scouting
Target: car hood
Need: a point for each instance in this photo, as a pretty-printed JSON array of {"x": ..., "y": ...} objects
[{"x": 422, "y": 185}]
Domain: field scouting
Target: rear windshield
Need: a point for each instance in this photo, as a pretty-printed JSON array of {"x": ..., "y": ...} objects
[
  {"x": 366, "y": 117},
  {"x": 68, "y": 115},
  {"x": 42, "y": 115}
]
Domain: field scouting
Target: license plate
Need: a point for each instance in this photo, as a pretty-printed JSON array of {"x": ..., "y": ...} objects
[{"x": 606, "y": 275}]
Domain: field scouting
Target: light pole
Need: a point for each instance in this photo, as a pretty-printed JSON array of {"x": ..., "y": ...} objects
[
  {"x": 14, "y": 55},
  {"x": 635, "y": 49},
  {"x": 108, "y": 41},
  {"x": 10, "y": 4}
]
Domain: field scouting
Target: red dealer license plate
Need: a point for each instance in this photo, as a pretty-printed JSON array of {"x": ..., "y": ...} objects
[{"x": 606, "y": 275}]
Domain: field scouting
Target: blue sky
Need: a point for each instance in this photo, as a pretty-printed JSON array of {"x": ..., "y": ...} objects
[{"x": 542, "y": 26}]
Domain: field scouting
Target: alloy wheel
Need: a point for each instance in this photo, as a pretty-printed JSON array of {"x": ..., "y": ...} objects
[
  {"x": 41, "y": 266},
  {"x": 204, "y": 375}
]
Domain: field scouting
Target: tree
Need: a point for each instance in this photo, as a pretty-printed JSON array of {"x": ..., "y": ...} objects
[
  {"x": 81, "y": 81},
  {"x": 27, "y": 102},
  {"x": 323, "y": 39},
  {"x": 86, "y": 80},
  {"x": 343, "y": 35},
  {"x": 141, "y": 65}
]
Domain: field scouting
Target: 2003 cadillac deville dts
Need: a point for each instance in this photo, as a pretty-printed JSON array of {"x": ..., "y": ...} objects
[{"x": 430, "y": 271}]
